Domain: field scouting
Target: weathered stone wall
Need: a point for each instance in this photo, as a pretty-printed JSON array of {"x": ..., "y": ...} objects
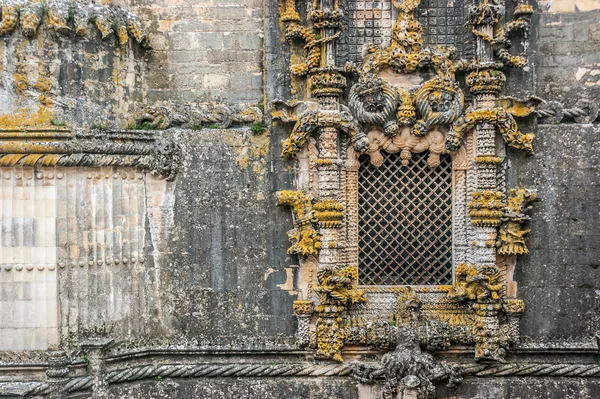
[
  {"x": 204, "y": 51},
  {"x": 240, "y": 389},
  {"x": 559, "y": 280},
  {"x": 567, "y": 60},
  {"x": 199, "y": 52},
  {"x": 216, "y": 274},
  {"x": 222, "y": 256}
]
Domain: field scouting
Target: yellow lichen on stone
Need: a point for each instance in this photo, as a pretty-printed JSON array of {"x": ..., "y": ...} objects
[
  {"x": 24, "y": 118},
  {"x": 511, "y": 234},
  {"x": 475, "y": 283},
  {"x": 122, "y": 35},
  {"x": 21, "y": 83},
  {"x": 329, "y": 213},
  {"x": 336, "y": 289},
  {"x": 10, "y": 17},
  {"x": 103, "y": 25},
  {"x": 487, "y": 208},
  {"x": 304, "y": 238},
  {"x": 249, "y": 150},
  {"x": 43, "y": 84}
]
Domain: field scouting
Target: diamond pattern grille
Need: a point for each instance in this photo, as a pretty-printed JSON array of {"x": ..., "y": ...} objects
[{"x": 405, "y": 222}]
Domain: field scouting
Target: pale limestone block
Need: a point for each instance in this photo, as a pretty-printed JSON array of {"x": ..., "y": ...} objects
[
  {"x": 30, "y": 316},
  {"x": 216, "y": 80},
  {"x": 18, "y": 279},
  {"x": 28, "y": 208},
  {"x": 19, "y": 255},
  {"x": 7, "y": 254},
  {"x": 6, "y": 231},
  {"x": 51, "y": 276},
  {"x": 50, "y": 255},
  {"x": 27, "y": 255},
  {"x": 39, "y": 308},
  {"x": 38, "y": 254},
  {"x": 5, "y": 288},
  {"x": 27, "y": 293},
  {"x": 17, "y": 229},
  {"x": 50, "y": 207},
  {"x": 41, "y": 338},
  {"x": 51, "y": 287},
  {"x": 39, "y": 231},
  {"x": 51, "y": 314},
  {"x": 18, "y": 314},
  {"x": 28, "y": 232},
  {"x": 39, "y": 289},
  {"x": 18, "y": 193},
  {"x": 7, "y": 315},
  {"x": 5, "y": 337},
  {"x": 6, "y": 195},
  {"x": 51, "y": 336},
  {"x": 50, "y": 233},
  {"x": 29, "y": 337}
]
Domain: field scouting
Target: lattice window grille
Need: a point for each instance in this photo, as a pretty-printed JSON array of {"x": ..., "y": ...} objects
[{"x": 405, "y": 222}]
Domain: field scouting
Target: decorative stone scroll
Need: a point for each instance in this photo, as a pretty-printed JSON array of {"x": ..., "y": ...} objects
[{"x": 404, "y": 97}]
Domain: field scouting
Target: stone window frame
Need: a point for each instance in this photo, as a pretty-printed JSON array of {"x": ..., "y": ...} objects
[{"x": 480, "y": 308}]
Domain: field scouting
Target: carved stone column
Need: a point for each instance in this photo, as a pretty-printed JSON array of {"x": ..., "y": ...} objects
[
  {"x": 57, "y": 371},
  {"x": 303, "y": 309},
  {"x": 329, "y": 191},
  {"x": 95, "y": 352}
]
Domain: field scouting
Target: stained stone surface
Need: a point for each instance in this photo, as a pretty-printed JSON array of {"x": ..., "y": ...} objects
[
  {"x": 560, "y": 279},
  {"x": 238, "y": 389},
  {"x": 216, "y": 274}
]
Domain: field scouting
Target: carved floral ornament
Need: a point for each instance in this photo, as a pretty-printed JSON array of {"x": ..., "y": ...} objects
[{"x": 386, "y": 112}]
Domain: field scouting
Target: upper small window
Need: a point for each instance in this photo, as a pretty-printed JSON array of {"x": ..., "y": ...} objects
[{"x": 405, "y": 222}]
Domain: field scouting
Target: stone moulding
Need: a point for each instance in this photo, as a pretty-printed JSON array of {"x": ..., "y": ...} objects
[
  {"x": 221, "y": 116},
  {"x": 583, "y": 112},
  {"x": 386, "y": 112},
  {"x": 69, "y": 16},
  {"x": 366, "y": 372},
  {"x": 43, "y": 147}
]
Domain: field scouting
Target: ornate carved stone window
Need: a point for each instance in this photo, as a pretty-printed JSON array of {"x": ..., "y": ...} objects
[{"x": 404, "y": 228}]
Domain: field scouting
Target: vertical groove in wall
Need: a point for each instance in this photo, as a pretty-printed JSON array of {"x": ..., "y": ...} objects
[
  {"x": 77, "y": 235},
  {"x": 28, "y": 292},
  {"x": 109, "y": 278},
  {"x": 102, "y": 281},
  {"x": 135, "y": 294},
  {"x": 62, "y": 249},
  {"x": 6, "y": 338}
]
